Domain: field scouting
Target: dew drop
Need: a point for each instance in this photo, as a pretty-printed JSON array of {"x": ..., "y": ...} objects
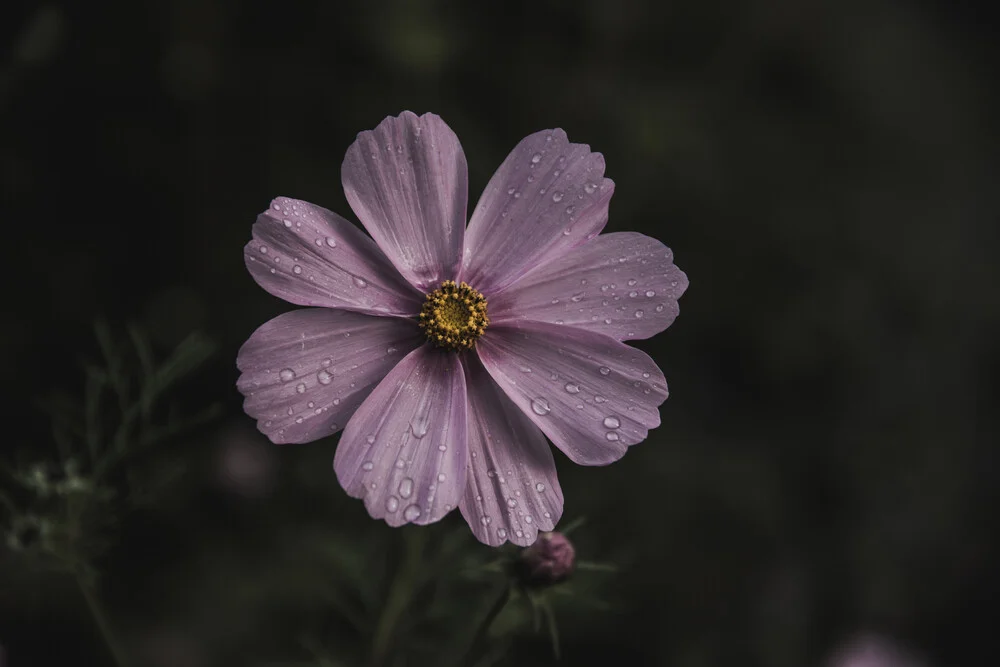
[
  {"x": 557, "y": 196},
  {"x": 659, "y": 308},
  {"x": 604, "y": 370},
  {"x": 611, "y": 436},
  {"x": 650, "y": 293},
  {"x": 590, "y": 188},
  {"x": 411, "y": 513},
  {"x": 286, "y": 375},
  {"x": 611, "y": 422},
  {"x": 391, "y": 350},
  {"x": 501, "y": 533},
  {"x": 540, "y": 406},
  {"x": 599, "y": 399},
  {"x": 536, "y": 158},
  {"x": 418, "y": 428},
  {"x": 639, "y": 314},
  {"x": 301, "y": 387},
  {"x": 288, "y": 223},
  {"x": 367, "y": 465},
  {"x": 391, "y": 504},
  {"x": 539, "y": 487},
  {"x": 360, "y": 282},
  {"x": 572, "y": 388},
  {"x": 297, "y": 269},
  {"x": 528, "y": 519},
  {"x": 632, "y": 282},
  {"x": 370, "y": 439},
  {"x": 511, "y": 502},
  {"x": 406, "y": 487},
  {"x": 263, "y": 250},
  {"x": 324, "y": 377},
  {"x": 442, "y": 477},
  {"x": 442, "y": 448}
]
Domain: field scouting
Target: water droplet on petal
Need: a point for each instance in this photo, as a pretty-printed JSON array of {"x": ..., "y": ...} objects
[
  {"x": 611, "y": 422},
  {"x": 442, "y": 448},
  {"x": 604, "y": 370},
  {"x": 650, "y": 293},
  {"x": 286, "y": 375},
  {"x": 370, "y": 439},
  {"x": 639, "y": 313},
  {"x": 301, "y": 387},
  {"x": 539, "y": 487},
  {"x": 263, "y": 249},
  {"x": 501, "y": 533},
  {"x": 367, "y": 465},
  {"x": 540, "y": 406},
  {"x": 611, "y": 436},
  {"x": 406, "y": 487},
  {"x": 391, "y": 504},
  {"x": 324, "y": 377},
  {"x": 297, "y": 269},
  {"x": 536, "y": 158},
  {"x": 572, "y": 388},
  {"x": 442, "y": 477},
  {"x": 557, "y": 196},
  {"x": 360, "y": 282}
]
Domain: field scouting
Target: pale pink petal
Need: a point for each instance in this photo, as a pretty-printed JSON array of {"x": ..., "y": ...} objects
[
  {"x": 405, "y": 450},
  {"x": 306, "y": 371},
  {"x": 590, "y": 394},
  {"x": 512, "y": 490},
  {"x": 548, "y": 196},
  {"x": 407, "y": 181},
  {"x": 624, "y": 285},
  {"x": 310, "y": 256}
]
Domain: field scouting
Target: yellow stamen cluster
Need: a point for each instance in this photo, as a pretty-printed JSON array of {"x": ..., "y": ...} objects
[{"x": 454, "y": 316}]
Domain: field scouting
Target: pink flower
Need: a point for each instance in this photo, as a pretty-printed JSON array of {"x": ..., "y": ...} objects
[{"x": 446, "y": 392}]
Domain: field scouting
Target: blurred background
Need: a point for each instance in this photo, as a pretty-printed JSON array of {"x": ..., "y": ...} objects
[{"x": 825, "y": 480}]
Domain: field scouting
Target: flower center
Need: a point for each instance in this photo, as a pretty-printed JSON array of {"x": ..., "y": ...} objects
[{"x": 454, "y": 316}]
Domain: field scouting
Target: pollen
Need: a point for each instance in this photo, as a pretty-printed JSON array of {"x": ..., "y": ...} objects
[{"x": 454, "y": 316}]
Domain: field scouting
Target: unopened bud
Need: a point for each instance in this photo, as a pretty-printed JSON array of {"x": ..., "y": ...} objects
[{"x": 548, "y": 561}]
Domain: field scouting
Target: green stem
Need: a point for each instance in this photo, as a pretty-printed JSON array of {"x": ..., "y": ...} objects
[
  {"x": 486, "y": 623},
  {"x": 101, "y": 619},
  {"x": 398, "y": 599}
]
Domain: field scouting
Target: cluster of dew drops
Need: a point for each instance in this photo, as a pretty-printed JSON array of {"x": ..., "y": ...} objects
[{"x": 286, "y": 213}]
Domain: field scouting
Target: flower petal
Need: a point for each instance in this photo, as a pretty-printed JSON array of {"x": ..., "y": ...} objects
[
  {"x": 624, "y": 285},
  {"x": 408, "y": 183},
  {"x": 404, "y": 451},
  {"x": 512, "y": 490},
  {"x": 548, "y": 196},
  {"x": 306, "y": 371},
  {"x": 590, "y": 394},
  {"x": 310, "y": 256}
]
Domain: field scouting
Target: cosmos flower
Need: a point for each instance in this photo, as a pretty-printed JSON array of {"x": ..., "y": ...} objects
[{"x": 448, "y": 353}]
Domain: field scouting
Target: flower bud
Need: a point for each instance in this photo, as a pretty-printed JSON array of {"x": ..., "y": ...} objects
[{"x": 548, "y": 561}]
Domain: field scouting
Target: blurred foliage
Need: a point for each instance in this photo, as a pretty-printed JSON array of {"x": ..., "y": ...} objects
[{"x": 825, "y": 172}]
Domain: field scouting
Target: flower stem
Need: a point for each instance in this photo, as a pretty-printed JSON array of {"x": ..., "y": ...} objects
[
  {"x": 486, "y": 623},
  {"x": 101, "y": 620},
  {"x": 400, "y": 593}
]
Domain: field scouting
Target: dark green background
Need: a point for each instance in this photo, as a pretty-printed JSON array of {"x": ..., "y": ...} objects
[{"x": 825, "y": 173}]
